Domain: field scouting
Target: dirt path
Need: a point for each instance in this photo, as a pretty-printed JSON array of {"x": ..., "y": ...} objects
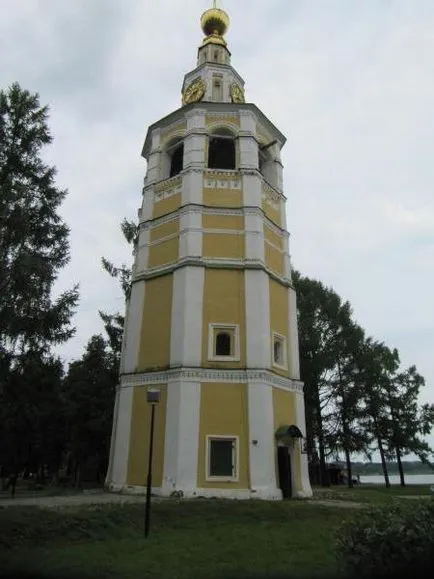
[{"x": 113, "y": 498}]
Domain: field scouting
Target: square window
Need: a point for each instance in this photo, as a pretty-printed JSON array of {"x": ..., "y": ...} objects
[
  {"x": 279, "y": 351},
  {"x": 222, "y": 458},
  {"x": 224, "y": 342}
]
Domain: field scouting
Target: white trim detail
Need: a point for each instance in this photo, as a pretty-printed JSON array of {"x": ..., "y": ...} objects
[
  {"x": 181, "y": 445},
  {"x": 195, "y": 492},
  {"x": 235, "y": 458},
  {"x": 284, "y": 350},
  {"x": 117, "y": 474},
  {"x": 186, "y": 323},
  {"x": 261, "y": 440},
  {"x": 294, "y": 354},
  {"x": 133, "y": 326},
  {"x": 234, "y": 330},
  {"x": 306, "y": 489},
  {"x": 258, "y": 377},
  {"x": 257, "y": 300}
]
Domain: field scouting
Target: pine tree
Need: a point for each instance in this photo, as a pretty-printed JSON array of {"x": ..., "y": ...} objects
[{"x": 33, "y": 249}]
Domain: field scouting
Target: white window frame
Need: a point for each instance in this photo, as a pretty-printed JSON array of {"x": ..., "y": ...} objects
[
  {"x": 212, "y": 333},
  {"x": 282, "y": 340},
  {"x": 235, "y": 458}
]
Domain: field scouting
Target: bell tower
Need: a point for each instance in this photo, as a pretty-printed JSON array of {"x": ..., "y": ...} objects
[{"x": 211, "y": 320}]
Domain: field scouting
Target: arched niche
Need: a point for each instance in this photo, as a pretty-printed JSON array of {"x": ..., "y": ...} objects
[
  {"x": 222, "y": 150},
  {"x": 172, "y": 162}
]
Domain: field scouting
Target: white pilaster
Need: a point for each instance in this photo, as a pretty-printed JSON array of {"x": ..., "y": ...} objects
[
  {"x": 142, "y": 251},
  {"x": 306, "y": 490},
  {"x": 254, "y": 237},
  {"x": 252, "y": 190},
  {"x": 190, "y": 234},
  {"x": 186, "y": 334},
  {"x": 192, "y": 187},
  {"x": 248, "y": 152},
  {"x": 294, "y": 354},
  {"x": 258, "y": 338},
  {"x": 181, "y": 445},
  {"x": 261, "y": 441},
  {"x": 117, "y": 475},
  {"x": 133, "y": 325}
]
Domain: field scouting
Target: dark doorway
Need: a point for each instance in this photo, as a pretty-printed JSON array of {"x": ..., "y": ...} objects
[
  {"x": 284, "y": 466},
  {"x": 221, "y": 153},
  {"x": 177, "y": 160}
]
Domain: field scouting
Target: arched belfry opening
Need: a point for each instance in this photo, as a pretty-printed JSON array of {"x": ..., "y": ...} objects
[
  {"x": 222, "y": 150},
  {"x": 176, "y": 154}
]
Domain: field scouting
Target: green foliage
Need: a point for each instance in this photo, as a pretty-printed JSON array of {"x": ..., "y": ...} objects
[
  {"x": 189, "y": 539},
  {"x": 388, "y": 541},
  {"x": 89, "y": 390},
  {"x": 33, "y": 237}
]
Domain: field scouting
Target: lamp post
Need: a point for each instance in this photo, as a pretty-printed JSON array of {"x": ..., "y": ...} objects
[{"x": 153, "y": 398}]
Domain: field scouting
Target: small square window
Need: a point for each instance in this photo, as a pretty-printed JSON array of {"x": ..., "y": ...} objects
[
  {"x": 222, "y": 458},
  {"x": 279, "y": 351},
  {"x": 224, "y": 342}
]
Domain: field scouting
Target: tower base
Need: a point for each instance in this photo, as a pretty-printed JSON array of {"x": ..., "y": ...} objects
[{"x": 271, "y": 494}]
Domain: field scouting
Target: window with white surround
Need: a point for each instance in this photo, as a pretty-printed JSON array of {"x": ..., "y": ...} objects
[
  {"x": 224, "y": 342},
  {"x": 279, "y": 351},
  {"x": 222, "y": 458}
]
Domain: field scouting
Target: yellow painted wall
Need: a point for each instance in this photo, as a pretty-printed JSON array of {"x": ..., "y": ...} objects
[
  {"x": 222, "y": 197},
  {"x": 272, "y": 214},
  {"x": 223, "y": 245},
  {"x": 164, "y": 230},
  {"x": 163, "y": 253},
  {"x": 234, "y": 222},
  {"x": 222, "y": 120},
  {"x": 166, "y": 205},
  {"x": 139, "y": 438},
  {"x": 224, "y": 303},
  {"x": 273, "y": 237},
  {"x": 279, "y": 318},
  {"x": 285, "y": 414},
  {"x": 273, "y": 259},
  {"x": 154, "y": 349},
  {"x": 224, "y": 411}
]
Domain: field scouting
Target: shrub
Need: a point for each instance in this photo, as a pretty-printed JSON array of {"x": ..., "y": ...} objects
[{"x": 392, "y": 540}]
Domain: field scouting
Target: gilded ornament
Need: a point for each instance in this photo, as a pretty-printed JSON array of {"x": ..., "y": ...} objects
[
  {"x": 194, "y": 92},
  {"x": 237, "y": 93}
]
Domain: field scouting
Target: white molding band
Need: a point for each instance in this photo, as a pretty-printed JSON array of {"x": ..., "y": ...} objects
[
  {"x": 198, "y": 375},
  {"x": 196, "y": 492}
]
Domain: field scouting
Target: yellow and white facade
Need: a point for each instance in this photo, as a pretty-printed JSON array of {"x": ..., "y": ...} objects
[{"x": 211, "y": 319}]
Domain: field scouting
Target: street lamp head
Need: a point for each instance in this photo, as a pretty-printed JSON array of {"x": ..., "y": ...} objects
[{"x": 153, "y": 395}]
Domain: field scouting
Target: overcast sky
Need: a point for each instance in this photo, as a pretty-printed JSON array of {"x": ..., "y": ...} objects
[{"x": 351, "y": 84}]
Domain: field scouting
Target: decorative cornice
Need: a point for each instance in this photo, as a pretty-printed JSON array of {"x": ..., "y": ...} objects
[
  {"x": 257, "y": 376},
  {"x": 211, "y": 263}
]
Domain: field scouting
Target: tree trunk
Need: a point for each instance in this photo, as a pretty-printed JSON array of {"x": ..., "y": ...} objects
[
  {"x": 77, "y": 475},
  {"x": 349, "y": 469},
  {"x": 400, "y": 468},
  {"x": 324, "y": 480},
  {"x": 383, "y": 462}
]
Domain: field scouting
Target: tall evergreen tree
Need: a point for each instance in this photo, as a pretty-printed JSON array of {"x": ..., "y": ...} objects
[{"x": 33, "y": 249}]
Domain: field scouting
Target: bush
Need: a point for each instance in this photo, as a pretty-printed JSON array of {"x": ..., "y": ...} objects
[{"x": 392, "y": 540}]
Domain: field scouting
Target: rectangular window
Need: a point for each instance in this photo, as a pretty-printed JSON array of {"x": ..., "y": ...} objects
[
  {"x": 222, "y": 458},
  {"x": 279, "y": 351},
  {"x": 224, "y": 342}
]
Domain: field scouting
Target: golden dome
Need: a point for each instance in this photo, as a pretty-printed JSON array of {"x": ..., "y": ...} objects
[{"x": 215, "y": 22}]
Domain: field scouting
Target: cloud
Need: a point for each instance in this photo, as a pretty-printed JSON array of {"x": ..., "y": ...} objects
[{"x": 351, "y": 84}]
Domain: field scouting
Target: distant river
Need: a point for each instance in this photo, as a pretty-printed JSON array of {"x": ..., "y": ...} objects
[{"x": 410, "y": 479}]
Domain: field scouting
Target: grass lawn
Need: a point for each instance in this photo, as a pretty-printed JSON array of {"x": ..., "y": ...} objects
[
  {"x": 189, "y": 539},
  {"x": 374, "y": 494}
]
